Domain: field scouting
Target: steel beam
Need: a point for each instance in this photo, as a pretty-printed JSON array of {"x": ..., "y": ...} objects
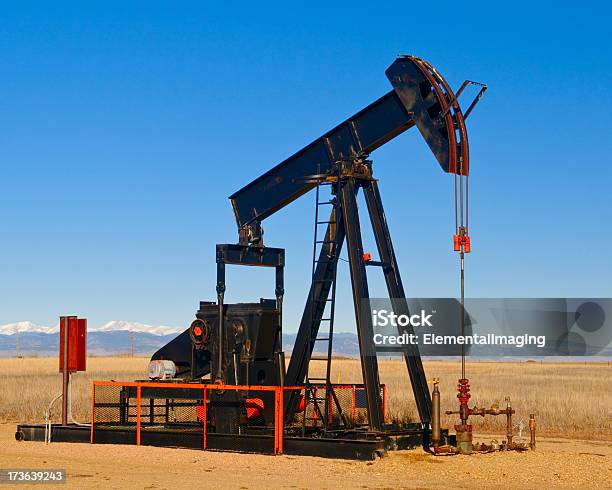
[
  {"x": 360, "y": 449},
  {"x": 397, "y": 297},
  {"x": 359, "y": 280},
  {"x": 362, "y": 133}
]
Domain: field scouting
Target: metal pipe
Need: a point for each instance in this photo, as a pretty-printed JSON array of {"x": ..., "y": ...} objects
[
  {"x": 220, "y": 375},
  {"x": 532, "y": 431},
  {"x": 509, "y": 411},
  {"x": 446, "y": 450},
  {"x": 220, "y": 339},
  {"x": 462, "y": 266},
  {"x": 48, "y": 424},
  {"x": 281, "y": 368},
  {"x": 65, "y": 373},
  {"x": 464, "y": 438},
  {"x": 435, "y": 420},
  {"x": 236, "y": 361},
  {"x": 280, "y": 292}
]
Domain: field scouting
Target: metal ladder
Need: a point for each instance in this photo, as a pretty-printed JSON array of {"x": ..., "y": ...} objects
[{"x": 311, "y": 391}]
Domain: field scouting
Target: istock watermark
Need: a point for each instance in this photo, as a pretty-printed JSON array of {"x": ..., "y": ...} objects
[
  {"x": 382, "y": 318},
  {"x": 492, "y": 327}
]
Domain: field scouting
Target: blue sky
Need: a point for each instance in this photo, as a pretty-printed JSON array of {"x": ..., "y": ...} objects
[{"x": 124, "y": 126}]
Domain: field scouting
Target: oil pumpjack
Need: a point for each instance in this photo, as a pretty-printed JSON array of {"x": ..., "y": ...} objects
[
  {"x": 245, "y": 346},
  {"x": 241, "y": 344}
]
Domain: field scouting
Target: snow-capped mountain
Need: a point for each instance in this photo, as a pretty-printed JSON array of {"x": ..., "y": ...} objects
[
  {"x": 121, "y": 325},
  {"x": 112, "y": 326},
  {"x": 115, "y": 337},
  {"x": 26, "y": 327}
]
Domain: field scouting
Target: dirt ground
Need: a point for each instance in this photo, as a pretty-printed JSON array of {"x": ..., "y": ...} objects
[{"x": 556, "y": 463}]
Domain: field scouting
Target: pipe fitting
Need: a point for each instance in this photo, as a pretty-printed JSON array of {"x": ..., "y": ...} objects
[{"x": 532, "y": 431}]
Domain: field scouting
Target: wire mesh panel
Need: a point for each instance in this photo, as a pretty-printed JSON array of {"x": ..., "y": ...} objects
[
  {"x": 159, "y": 409},
  {"x": 107, "y": 409},
  {"x": 171, "y": 414},
  {"x": 332, "y": 408},
  {"x": 111, "y": 410},
  {"x": 243, "y": 419}
]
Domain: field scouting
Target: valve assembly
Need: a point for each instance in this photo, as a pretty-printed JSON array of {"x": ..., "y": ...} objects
[{"x": 464, "y": 429}]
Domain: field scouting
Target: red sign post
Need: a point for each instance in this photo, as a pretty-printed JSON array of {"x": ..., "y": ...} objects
[{"x": 73, "y": 354}]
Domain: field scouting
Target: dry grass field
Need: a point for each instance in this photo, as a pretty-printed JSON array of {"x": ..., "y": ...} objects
[{"x": 572, "y": 400}]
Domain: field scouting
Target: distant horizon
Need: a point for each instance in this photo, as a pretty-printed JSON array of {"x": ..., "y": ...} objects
[{"x": 528, "y": 360}]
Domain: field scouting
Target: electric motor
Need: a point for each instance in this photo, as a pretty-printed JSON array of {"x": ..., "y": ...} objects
[{"x": 162, "y": 369}]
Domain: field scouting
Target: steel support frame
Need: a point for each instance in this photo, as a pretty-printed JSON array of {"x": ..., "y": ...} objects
[
  {"x": 359, "y": 281},
  {"x": 348, "y": 227},
  {"x": 260, "y": 256}
]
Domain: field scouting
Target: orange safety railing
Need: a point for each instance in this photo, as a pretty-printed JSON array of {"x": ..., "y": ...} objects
[
  {"x": 99, "y": 405},
  {"x": 200, "y": 409}
]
